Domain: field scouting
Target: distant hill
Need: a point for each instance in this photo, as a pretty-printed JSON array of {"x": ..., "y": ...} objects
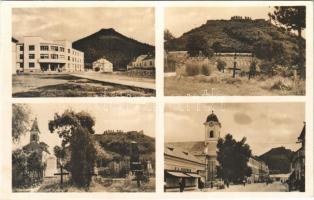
[
  {"x": 278, "y": 159},
  {"x": 119, "y": 143},
  {"x": 115, "y": 47},
  {"x": 238, "y": 35}
]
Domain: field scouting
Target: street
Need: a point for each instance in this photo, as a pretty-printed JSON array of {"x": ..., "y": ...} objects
[{"x": 254, "y": 187}]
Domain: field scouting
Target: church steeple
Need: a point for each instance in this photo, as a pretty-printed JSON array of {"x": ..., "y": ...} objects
[{"x": 34, "y": 132}]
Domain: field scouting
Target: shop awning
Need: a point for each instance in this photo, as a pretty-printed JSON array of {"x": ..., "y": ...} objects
[
  {"x": 177, "y": 174},
  {"x": 194, "y": 175}
]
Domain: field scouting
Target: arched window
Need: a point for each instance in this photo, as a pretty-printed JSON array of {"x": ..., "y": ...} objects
[{"x": 211, "y": 134}]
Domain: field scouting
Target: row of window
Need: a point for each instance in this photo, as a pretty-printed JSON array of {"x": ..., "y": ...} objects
[
  {"x": 32, "y": 65},
  {"x": 143, "y": 64},
  {"x": 52, "y": 56},
  {"x": 52, "y": 48}
]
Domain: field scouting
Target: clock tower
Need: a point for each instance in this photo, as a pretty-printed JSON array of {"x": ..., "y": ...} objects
[{"x": 212, "y": 134}]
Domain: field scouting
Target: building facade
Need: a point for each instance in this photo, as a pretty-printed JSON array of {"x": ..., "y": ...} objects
[
  {"x": 182, "y": 165},
  {"x": 102, "y": 65},
  {"x": 143, "y": 62},
  {"x": 260, "y": 171},
  {"x": 38, "y": 55},
  {"x": 297, "y": 177}
]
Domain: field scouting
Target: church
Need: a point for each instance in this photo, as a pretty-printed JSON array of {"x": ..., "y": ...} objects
[{"x": 197, "y": 159}]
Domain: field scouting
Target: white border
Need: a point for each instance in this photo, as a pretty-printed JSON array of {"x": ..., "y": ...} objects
[{"x": 160, "y": 100}]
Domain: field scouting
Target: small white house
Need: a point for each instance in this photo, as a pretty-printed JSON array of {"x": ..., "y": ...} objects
[
  {"x": 143, "y": 61},
  {"x": 102, "y": 65}
]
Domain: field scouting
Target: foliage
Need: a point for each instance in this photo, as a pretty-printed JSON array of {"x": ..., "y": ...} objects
[
  {"x": 266, "y": 67},
  {"x": 233, "y": 157},
  {"x": 117, "y": 48},
  {"x": 27, "y": 167},
  {"x": 221, "y": 65},
  {"x": 97, "y": 69},
  {"x": 206, "y": 69},
  {"x": 168, "y": 35},
  {"x": 76, "y": 129},
  {"x": 83, "y": 157},
  {"x": 197, "y": 44},
  {"x": 192, "y": 68},
  {"x": 20, "y": 120},
  {"x": 119, "y": 142},
  {"x": 292, "y": 17},
  {"x": 217, "y": 47}
]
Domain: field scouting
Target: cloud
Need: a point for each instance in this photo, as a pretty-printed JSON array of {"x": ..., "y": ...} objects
[{"x": 242, "y": 118}]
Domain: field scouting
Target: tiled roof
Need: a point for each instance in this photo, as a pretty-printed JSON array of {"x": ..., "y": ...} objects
[
  {"x": 174, "y": 150},
  {"x": 195, "y": 147}
]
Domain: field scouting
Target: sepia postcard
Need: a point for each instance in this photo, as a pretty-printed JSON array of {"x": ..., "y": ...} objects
[
  {"x": 83, "y": 52},
  {"x": 83, "y": 148},
  {"x": 235, "y": 147},
  {"x": 242, "y": 51},
  {"x": 156, "y": 100}
]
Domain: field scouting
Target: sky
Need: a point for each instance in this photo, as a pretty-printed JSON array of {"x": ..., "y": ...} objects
[
  {"x": 265, "y": 125},
  {"x": 122, "y": 116},
  {"x": 193, "y": 17},
  {"x": 75, "y": 23}
]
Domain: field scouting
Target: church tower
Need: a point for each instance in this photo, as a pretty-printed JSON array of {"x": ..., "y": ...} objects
[
  {"x": 212, "y": 134},
  {"x": 34, "y": 132}
]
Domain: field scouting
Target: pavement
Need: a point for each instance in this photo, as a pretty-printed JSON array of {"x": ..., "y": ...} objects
[
  {"x": 145, "y": 83},
  {"x": 253, "y": 187}
]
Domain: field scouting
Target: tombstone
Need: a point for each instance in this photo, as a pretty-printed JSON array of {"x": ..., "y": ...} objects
[{"x": 51, "y": 167}]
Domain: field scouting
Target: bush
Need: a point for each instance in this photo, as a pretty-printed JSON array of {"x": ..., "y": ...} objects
[
  {"x": 221, "y": 65},
  {"x": 206, "y": 69},
  {"x": 192, "y": 68},
  {"x": 97, "y": 69}
]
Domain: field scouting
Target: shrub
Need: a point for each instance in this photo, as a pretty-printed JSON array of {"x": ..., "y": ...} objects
[
  {"x": 97, "y": 69},
  {"x": 206, "y": 69},
  {"x": 221, "y": 65},
  {"x": 192, "y": 68}
]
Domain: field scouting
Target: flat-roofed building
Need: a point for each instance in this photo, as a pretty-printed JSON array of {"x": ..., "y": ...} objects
[{"x": 35, "y": 54}]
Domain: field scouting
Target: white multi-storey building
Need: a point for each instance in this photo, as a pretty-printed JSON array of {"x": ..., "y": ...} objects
[{"x": 38, "y": 55}]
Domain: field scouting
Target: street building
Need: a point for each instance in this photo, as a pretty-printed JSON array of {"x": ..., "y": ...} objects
[
  {"x": 102, "y": 65},
  {"x": 182, "y": 165},
  {"x": 35, "y": 54},
  {"x": 297, "y": 177},
  {"x": 143, "y": 62},
  {"x": 13, "y": 49},
  {"x": 260, "y": 171}
]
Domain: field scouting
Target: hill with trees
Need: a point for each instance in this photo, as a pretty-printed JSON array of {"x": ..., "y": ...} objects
[
  {"x": 113, "y": 46},
  {"x": 278, "y": 160},
  {"x": 118, "y": 143},
  {"x": 264, "y": 39}
]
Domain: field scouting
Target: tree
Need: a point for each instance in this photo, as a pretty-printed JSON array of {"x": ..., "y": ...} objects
[
  {"x": 19, "y": 167},
  {"x": 233, "y": 157},
  {"x": 217, "y": 47},
  {"x": 168, "y": 35},
  {"x": 293, "y": 18},
  {"x": 196, "y": 44},
  {"x": 20, "y": 121},
  {"x": 76, "y": 129}
]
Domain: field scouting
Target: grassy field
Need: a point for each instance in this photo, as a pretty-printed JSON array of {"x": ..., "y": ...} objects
[
  {"x": 64, "y": 85},
  {"x": 222, "y": 84}
]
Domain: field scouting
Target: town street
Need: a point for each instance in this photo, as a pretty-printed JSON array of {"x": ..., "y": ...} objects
[{"x": 254, "y": 187}]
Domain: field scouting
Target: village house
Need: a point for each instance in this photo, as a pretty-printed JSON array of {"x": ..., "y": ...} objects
[
  {"x": 102, "y": 65},
  {"x": 181, "y": 164},
  {"x": 35, "y": 54},
  {"x": 143, "y": 62}
]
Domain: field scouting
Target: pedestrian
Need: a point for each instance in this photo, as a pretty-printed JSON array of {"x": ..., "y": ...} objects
[
  {"x": 244, "y": 181},
  {"x": 181, "y": 184},
  {"x": 200, "y": 184}
]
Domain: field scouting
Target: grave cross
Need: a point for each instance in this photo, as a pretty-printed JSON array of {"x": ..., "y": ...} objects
[
  {"x": 234, "y": 68},
  {"x": 61, "y": 175}
]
